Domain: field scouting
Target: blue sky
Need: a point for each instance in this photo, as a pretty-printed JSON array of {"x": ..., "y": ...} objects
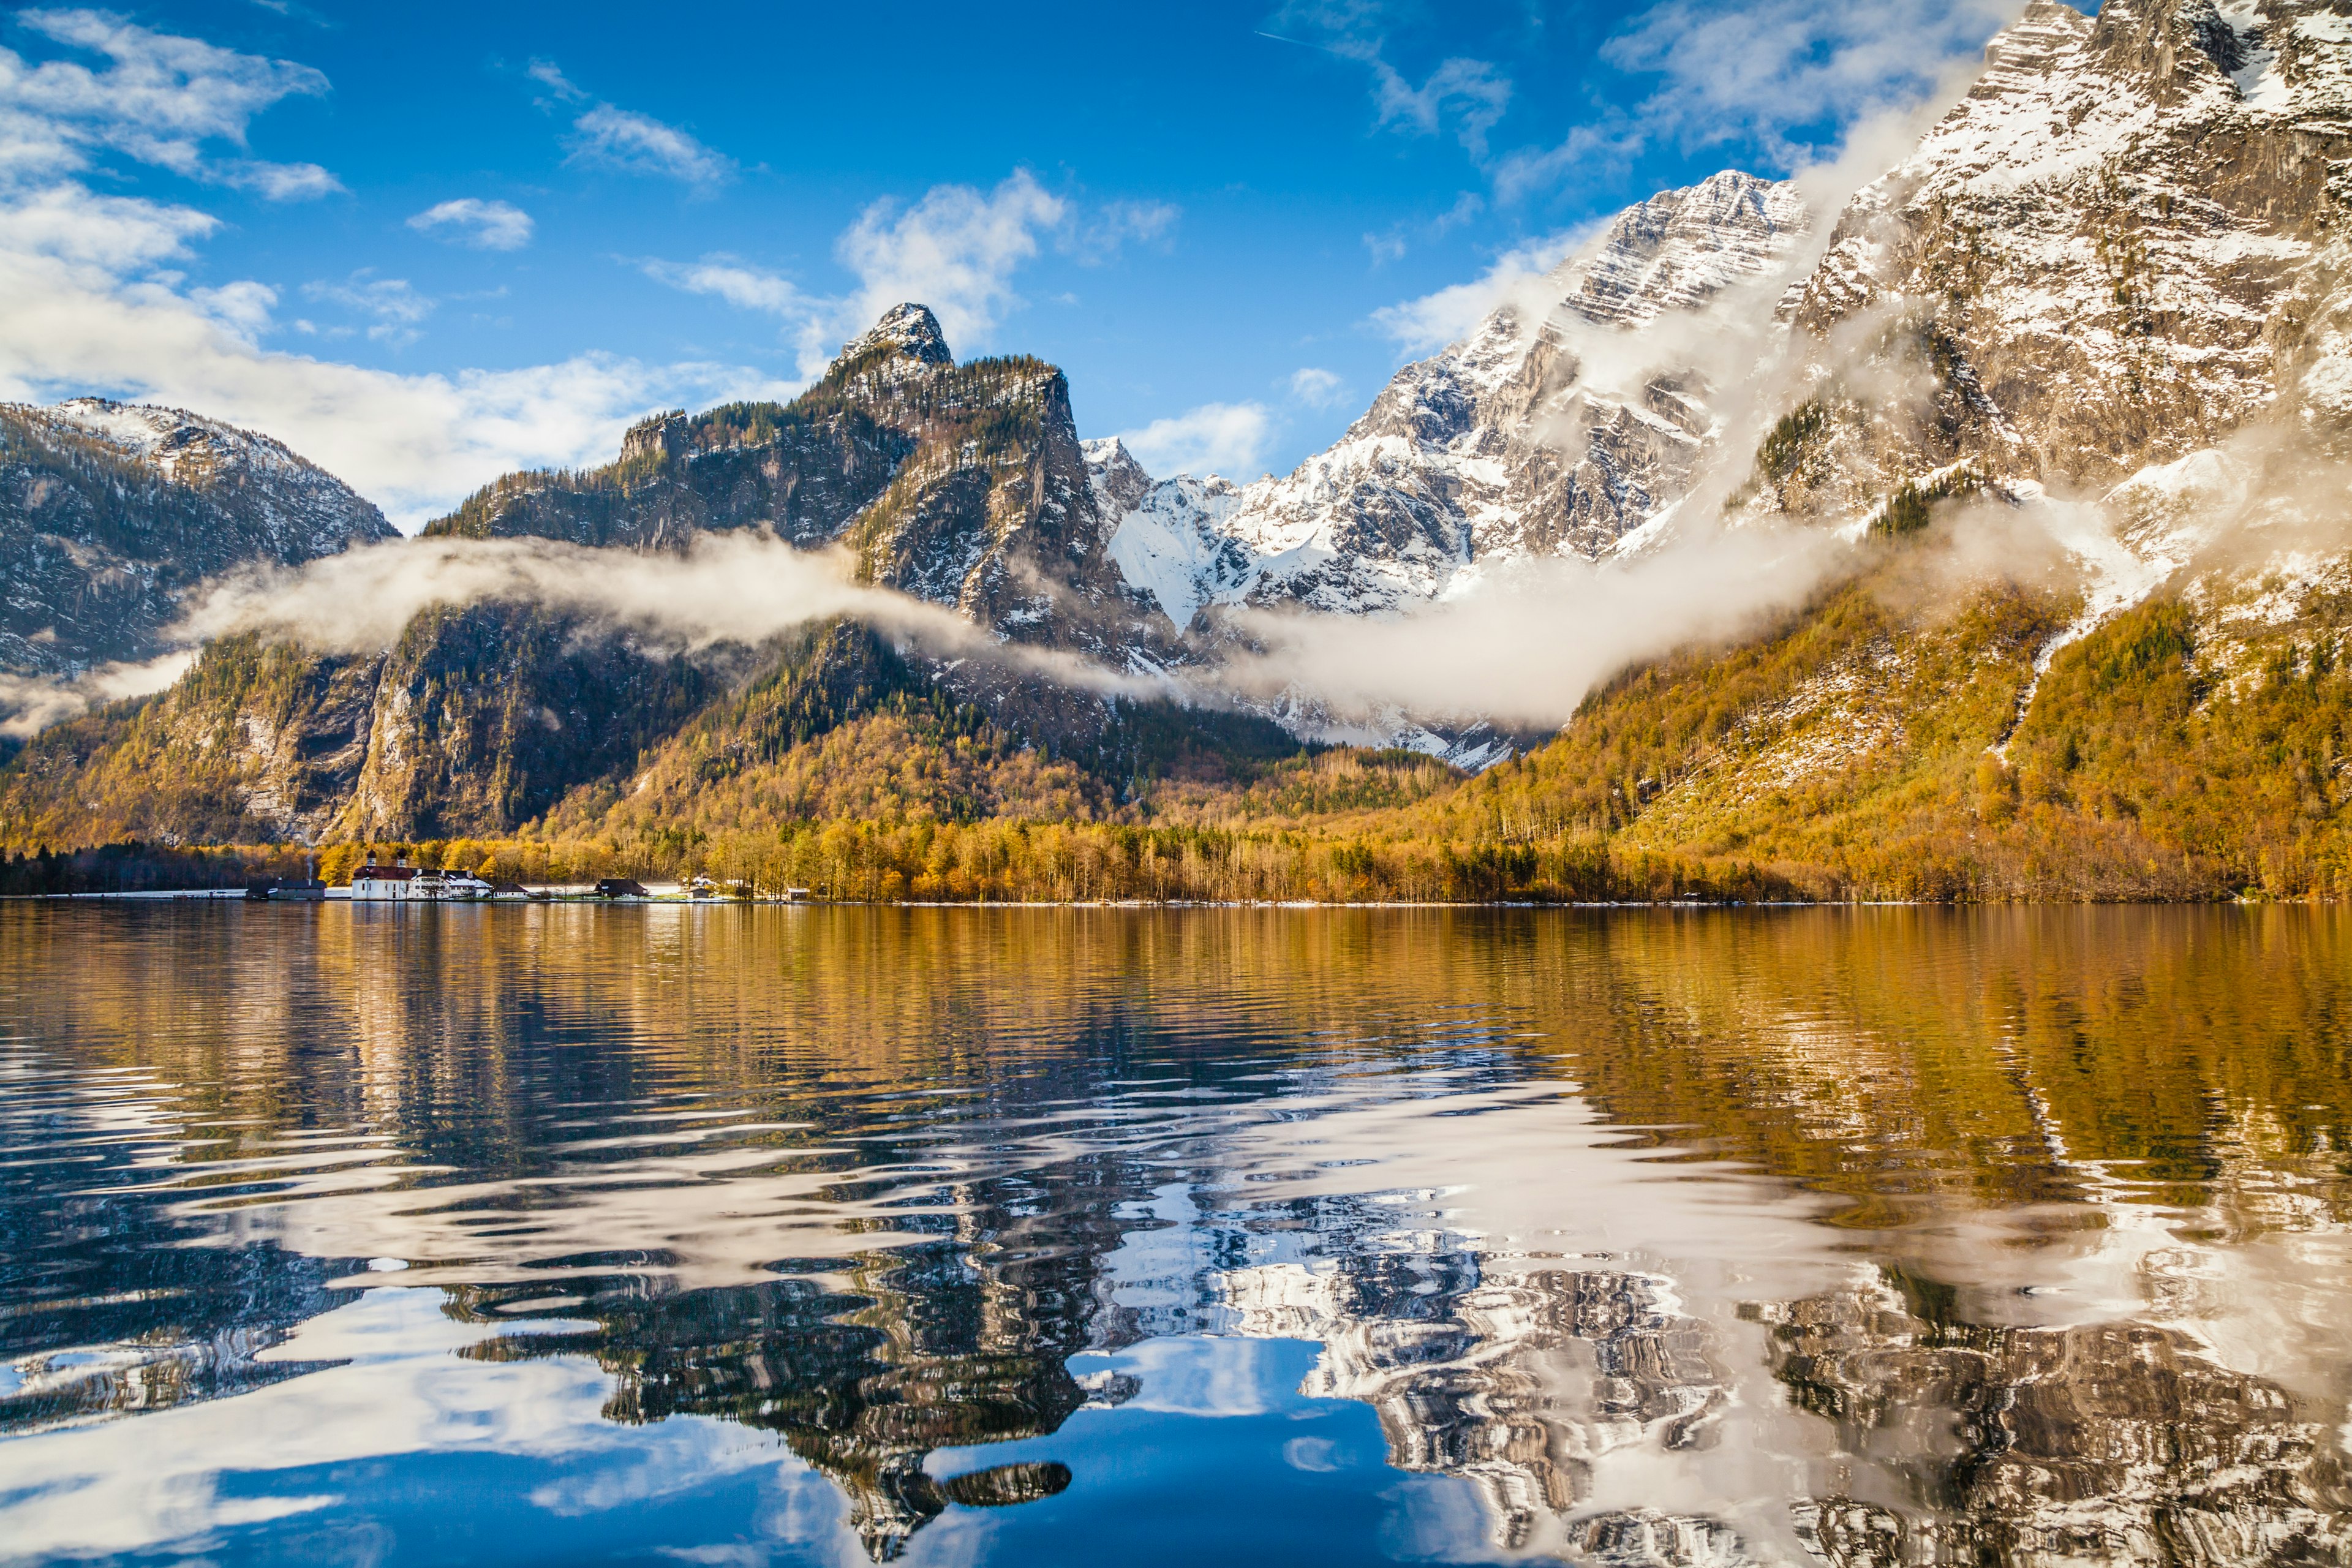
[{"x": 426, "y": 243}]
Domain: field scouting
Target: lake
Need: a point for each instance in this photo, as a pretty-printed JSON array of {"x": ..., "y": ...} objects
[{"x": 772, "y": 1234}]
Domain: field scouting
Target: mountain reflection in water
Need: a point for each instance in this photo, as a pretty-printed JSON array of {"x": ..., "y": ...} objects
[{"x": 795, "y": 1235}]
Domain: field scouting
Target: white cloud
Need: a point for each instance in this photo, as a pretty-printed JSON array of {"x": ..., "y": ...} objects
[
  {"x": 246, "y": 308},
  {"x": 1473, "y": 94},
  {"x": 1317, "y": 388},
  {"x": 68, "y": 222},
  {"x": 1470, "y": 94},
  {"x": 1391, "y": 244},
  {"x": 93, "y": 299},
  {"x": 1768, "y": 67},
  {"x": 394, "y": 302},
  {"x": 738, "y": 283},
  {"x": 82, "y": 309},
  {"x": 1098, "y": 235},
  {"x": 548, "y": 74},
  {"x": 1794, "y": 76},
  {"x": 640, "y": 144},
  {"x": 469, "y": 220},
  {"x": 956, "y": 250},
  {"x": 1435, "y": 320},
  {"x": 1216, "y": 438},
  {"x": 160, "y": 100},
  {"x": 1526, "y": 642},
  {"x": 1605, "y": 142},
  {"x": 608, "y": 136},
  {"x": 31, "y": 703}
]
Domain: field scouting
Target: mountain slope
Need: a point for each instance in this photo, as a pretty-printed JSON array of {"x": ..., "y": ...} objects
[
  {"x": 960, "y": 485},
  {"x": 2118, "y": 249},
  {"x": 1563, "y": 423},
  {"x": 109, "y": 512},
  {"x": 2075, "y": 356},
  {"x": 2068, "y": 387}
]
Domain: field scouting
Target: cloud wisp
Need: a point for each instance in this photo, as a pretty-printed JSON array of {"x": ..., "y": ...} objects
[
  {"x": 1521, "y": 276},
  {"x": 31, "y": 703},
  {"x": 1794, "y": 78},
  {"x": 1317, "y": 388},
  {"x": 733, "y": 587},
  {"x": 956, "y": 249},
  {"x": 470, "y": 220},
  {"x": 1215, "y": 438},
  {"x": 606, "y": 136},
  {"x": 1525, "y": 646},
  {"x": 94, "y": 296},
  {"x": 1460, "y": 94},
  {"x": 394, "y": 304},
  {"x": 1790, "y": 73}
]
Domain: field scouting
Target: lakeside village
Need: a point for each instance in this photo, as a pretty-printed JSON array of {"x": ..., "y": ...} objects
[{"x": 375, "y": 882}]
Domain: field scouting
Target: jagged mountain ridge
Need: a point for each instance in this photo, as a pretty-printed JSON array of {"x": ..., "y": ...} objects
[
  {"x": 2116, "y": 249},
  {"x": 110, "y": 512},
  {"x": 1498, "y": 447},
  {"x": 962, "y": 485},
  {"x": 2118, "y": 256}
]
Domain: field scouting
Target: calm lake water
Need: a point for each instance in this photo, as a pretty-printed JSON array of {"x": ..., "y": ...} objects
[{"x": 741, "y": 1235}]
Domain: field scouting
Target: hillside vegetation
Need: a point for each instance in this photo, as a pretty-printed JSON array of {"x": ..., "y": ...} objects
[{"x": 1879, "y": 744}]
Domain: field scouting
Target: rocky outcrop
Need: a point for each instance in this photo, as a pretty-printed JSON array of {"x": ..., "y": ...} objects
[
  {"x": 2118, "y": 250},
  {"x": 960, "y": 485}
]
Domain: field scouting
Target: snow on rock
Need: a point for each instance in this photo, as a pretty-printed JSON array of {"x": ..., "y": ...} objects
[
  {"x": 1527, "y": 438},
  {"x": 109, "y": 512},
  {"x": 302, "y": 511},
  {"x": 907, "y": 333},
  {"x": 1167, "y": 540}
]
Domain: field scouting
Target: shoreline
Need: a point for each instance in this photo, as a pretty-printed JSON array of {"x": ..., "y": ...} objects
[{"x": 593, "y": 900}]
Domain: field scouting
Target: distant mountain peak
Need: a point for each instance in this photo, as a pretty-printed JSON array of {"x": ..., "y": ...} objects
[
  {"x": 110, "y": 512},
  {"x": 909, "y": 331}
]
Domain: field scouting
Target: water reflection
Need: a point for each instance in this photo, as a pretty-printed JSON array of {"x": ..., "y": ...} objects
[{"x": 1866, "y": 1238}]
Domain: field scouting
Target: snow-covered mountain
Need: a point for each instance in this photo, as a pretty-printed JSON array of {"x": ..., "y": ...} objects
[
  {"x": 1573, "y": 414},
  {"x": 2116, "y": 273},
  {"x": 2122, "y": 245},
  {"x": 110, "y": 510}
]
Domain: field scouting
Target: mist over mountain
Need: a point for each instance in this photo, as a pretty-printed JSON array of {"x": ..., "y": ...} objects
[{"x": 1981, "y": 532}]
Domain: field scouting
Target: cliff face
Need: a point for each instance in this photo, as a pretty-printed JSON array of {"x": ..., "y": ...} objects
[
  {"x": 962, "y": 485},
  {"x": 478, "y": 721},
  {"x": 2118, "y": 248},
  {"x": 109, "y": 512}
]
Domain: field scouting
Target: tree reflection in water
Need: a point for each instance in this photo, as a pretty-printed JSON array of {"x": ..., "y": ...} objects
[{"x": 1859, "y": 1237}]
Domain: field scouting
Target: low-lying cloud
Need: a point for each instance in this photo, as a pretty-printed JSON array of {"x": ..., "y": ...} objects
[
  {"x": 31, "y": 703},
  {"x": 739, "y": 586},
  {"x": 1524, "y": 645}
]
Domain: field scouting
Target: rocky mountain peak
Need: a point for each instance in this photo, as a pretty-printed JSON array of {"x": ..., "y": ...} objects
[
  {"x": 1680, "y": 248},
  {"x": 190, "y": 449},
  {"x": 109, "y": 511},
  {"x": 1500, "y": 447},
  {"x": 907, "y": 332},
  {"x": 1120, "y": 482}
]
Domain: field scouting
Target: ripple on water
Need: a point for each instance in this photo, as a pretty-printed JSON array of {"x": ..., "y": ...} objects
[{"x": 754, "y": 1234}]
